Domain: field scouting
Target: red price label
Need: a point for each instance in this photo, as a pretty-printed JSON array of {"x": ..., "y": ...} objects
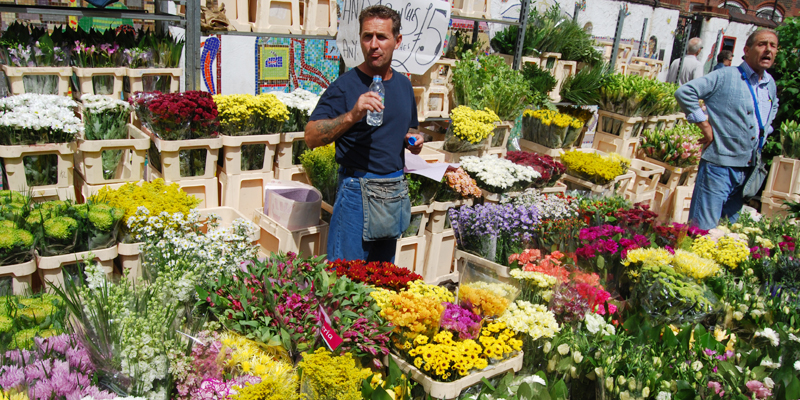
[{"x": 330, "y": 337}]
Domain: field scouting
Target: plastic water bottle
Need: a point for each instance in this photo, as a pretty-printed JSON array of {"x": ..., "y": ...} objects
[{"x": 375, "y": 118}]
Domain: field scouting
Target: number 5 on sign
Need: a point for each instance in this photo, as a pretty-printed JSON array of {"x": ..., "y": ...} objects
[{"x": 423, "y": 26}]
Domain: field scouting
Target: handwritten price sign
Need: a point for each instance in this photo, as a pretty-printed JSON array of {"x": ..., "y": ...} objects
[{"x": 423, "y": 26}]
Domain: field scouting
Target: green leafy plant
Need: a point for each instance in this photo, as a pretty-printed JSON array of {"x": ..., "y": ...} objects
[
  {"x": 550, "y": 32},
  {"x": 321, "y": 169},
  {"x": 787, "y": 68},
  {"x": 489, "y": 82},
  {"x": 583, "y": 88},
  {"x": 636, "y": 96},
  {"x": 790, "y": 139}
]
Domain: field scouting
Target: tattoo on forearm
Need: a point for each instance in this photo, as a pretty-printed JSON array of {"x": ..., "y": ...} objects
[{"x": 327, "y": 129}]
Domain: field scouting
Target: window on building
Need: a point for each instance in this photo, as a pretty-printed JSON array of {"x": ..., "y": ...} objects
[
  {"x": 766, "y": 13},
  {"x": 733, "y": 7}
]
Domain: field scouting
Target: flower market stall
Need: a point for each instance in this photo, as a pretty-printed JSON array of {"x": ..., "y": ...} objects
[{"x": 172, "y": 245}]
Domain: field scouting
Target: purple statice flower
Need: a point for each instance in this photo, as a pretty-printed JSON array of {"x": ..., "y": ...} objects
[{"x": 461, "y": 320}]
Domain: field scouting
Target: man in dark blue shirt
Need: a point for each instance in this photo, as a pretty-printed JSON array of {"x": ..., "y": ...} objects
[
  {"x": 371, "y": 158},
  {"x": 724, "y": 59}
]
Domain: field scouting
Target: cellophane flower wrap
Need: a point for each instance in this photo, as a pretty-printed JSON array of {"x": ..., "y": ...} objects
[
  {"x": 596, "y": 168},
  {"x": 550, "y": 170},
  {"x": 412, "y": 314},
  {"x": 461, "y": 321},
  {"x": 38, "y": 118},
  {"x": 559, "y": 218},
  {"x": 246, "y": 114},
  {"x": 499, "y": 175},
  {"x": 375, "y": 273},
  {"x": 178, "y": 116},
  {"x": 469, "y": 129},
  {"x": 667, "y": 295},
  {"x": 531, "y": 323},
  {"x": 301, "y": 104},
  {"x": 494, "y": 231},
  {"x": 457, "y": 184},
  {"x": 551, "y": 128},
  {"x": 16, "y": 239},
  {"x": 106, "y": 119},
  {"x": 603, "y": 248},
  {"x": 677, "y": 147},
  {"x": 483, "y": 294}
]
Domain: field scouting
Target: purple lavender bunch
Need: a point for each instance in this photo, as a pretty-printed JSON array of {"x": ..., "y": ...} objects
[
  {"x": 57, "y": 367},
  {"x": 461, "y": 320}
]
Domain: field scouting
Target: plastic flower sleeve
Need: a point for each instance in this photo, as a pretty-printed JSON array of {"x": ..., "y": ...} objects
[
  {"x": 669, "y": 297},
  {"x": 483, "y": 294},
  {"x": 454, "y": 144}
]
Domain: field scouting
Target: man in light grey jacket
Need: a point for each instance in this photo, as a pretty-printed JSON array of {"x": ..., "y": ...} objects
[
  {"x": 741, "y": 104},
  {"x": 692, "y": 66}
]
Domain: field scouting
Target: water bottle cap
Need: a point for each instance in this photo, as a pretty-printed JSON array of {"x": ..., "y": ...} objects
[{"x": 377, "y": 78}]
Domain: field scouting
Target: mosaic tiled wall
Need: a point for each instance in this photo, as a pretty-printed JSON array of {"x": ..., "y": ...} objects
[{"x": 285, "y": 64}]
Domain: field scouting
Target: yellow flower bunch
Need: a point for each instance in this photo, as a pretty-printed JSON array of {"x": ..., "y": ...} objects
[
  {"x": 726, "y": 250},
  {"x": 472, "y": 125},
  {"x": 693, "y": 265},
  {"x": 325, "y": 376},
  {"x": 549, "y": 117},
  {"x": 241, "y": 113},
  {"x": 498, "y": 341},
  {"x": 381, "y": 296},
  {"x": 248, "y": 357},
  {"x": 483, "y": 302},
  {"x": 437, "y": 292},
  {"x": 445, "y": 359},
  {"x": 270, "y": 388},
  {"x": 156, "y": 196},
  {"x": 11, "y": 395},
  {"x": 599, "y": 169},
  {"x": 648, "y": 257},
  {"x": 412, "y": 312}
]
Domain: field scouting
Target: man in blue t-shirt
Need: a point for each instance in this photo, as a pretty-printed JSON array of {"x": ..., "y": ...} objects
[{"x": 371, "y": 158}]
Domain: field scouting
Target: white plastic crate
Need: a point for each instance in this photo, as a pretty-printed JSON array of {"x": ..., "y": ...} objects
[
  {"x": 21, "y": 276},
  {"x": 13, "y": 159},
  {"x": 51, "y": 267},
  {"x": 89, "y": 157}
]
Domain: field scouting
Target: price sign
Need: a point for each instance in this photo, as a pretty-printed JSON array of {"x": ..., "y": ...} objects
[
  {"x": 331, "y": 338},
  {"x": 423, "y": 26}
]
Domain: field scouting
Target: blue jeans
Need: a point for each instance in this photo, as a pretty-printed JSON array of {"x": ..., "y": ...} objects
[
  {"x": 345, "y": 238},
  {"x": 717, "y": 194}
]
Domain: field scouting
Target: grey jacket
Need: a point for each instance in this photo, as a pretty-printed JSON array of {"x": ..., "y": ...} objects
[{"x": 731, "y": 114}]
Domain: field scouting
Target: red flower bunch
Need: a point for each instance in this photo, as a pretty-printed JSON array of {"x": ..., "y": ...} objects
[
  {"x": 637, "y": 219},
  {"x": 381, "y": 274},
  {"x": 179, "y": 116},
  {"x": 550, "y": 169},
  {"x": 532, "y": 260}
]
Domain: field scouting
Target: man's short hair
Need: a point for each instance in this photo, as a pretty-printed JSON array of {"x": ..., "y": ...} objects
[
  {"x": 724, "y": 55},
  {"x": 751, "y": 40},
  {"x": 695, "y": 45},
  {"x": 382, "y": 12}
]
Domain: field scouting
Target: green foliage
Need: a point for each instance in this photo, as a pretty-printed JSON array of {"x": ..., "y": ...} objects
[
  {"x": 489, "y": 82},
  {"x": 23, "y": 317},
  {"x": 787, "y": 66},
  {"x": 462, "y": 45},
  {"x": 583, "y": 88},
  {"x": 636, "y": 96},
  {"x": 550, "y": 32},
  {"x": 321, "y": 168},
  {"x": 790, "y": 139}
]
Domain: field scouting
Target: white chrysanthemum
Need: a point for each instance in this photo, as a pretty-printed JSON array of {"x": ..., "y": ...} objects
[{"x": 770, "y": 335}]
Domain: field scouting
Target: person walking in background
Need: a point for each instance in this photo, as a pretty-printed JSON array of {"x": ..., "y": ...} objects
[
  {"x": 692, "y": 67},
  {"x": 724, "y": 59},
  {"x": 741, "y": 104}
]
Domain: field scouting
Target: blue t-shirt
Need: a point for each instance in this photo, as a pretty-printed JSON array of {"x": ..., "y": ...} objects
[{"x": 376, "y": 149}]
